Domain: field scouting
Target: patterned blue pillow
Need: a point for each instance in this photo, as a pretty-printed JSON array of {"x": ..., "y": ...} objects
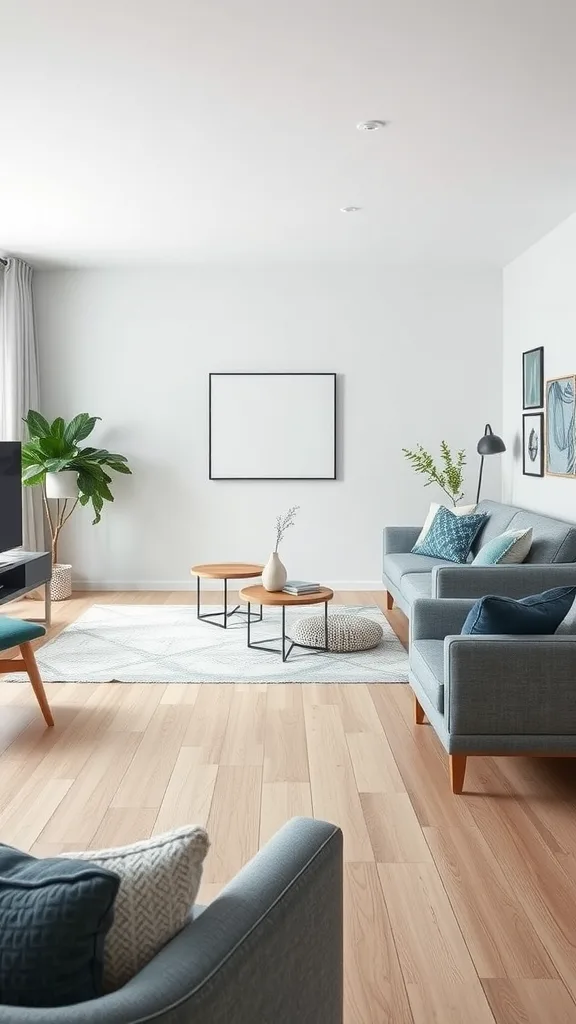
[
  {"x": 450, "y": 536},
  {"x": 54, "y": 916}
]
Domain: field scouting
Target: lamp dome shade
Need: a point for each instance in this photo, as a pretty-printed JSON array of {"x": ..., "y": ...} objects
[{"x": 490, "y": 444}]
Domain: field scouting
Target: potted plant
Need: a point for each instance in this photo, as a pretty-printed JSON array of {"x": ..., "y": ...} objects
[
  {"x": 450, "y": 475},
  {"x": 54, "y": 460}
]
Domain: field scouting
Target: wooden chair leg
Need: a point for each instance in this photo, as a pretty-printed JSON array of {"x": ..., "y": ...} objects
[
  {"x": 418, "y": 711},
  {"x": 457, "y": 771},
  {"x": 36, "y": 680},
  {"x": 389, "y": 601}
]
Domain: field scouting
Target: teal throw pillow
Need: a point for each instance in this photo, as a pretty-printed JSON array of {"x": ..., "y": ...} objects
[
  {"x": 54, "y": 916},
  {"x": 539, "y": 614},
  {"x": 510, "y": 548},
  {"x": 450, "y": 536}
]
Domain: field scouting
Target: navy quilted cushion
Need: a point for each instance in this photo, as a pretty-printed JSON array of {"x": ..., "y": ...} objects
[
  {"x": 537, "y": 615},
  {"x": 54, "y": 916}
]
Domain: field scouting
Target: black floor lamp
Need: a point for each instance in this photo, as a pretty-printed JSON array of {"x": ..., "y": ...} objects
[{"x": 489, "y": 444}]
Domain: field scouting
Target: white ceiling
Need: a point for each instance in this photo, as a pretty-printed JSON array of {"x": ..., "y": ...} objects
[{"x": 224, "y": 129}]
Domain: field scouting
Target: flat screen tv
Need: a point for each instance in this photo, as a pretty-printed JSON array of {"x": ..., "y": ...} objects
[{"x": 10, "y": 495}]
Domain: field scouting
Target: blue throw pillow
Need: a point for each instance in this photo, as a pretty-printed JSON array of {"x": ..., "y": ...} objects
[
  {"x": 450, "y": 536},
  {"x": 54, "y": 916},
  {"x": 539, "y": 614}
]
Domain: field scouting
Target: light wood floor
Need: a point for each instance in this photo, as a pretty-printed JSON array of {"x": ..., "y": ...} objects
[{"x": 459, "y": 910}]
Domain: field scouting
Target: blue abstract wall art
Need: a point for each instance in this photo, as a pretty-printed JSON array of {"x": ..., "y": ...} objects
[{"x": 560, "y": 426}]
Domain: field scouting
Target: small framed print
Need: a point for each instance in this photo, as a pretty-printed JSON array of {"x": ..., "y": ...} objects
[
  {"x": 533, "y": 378},
  {"x": 533, "y": 444}
]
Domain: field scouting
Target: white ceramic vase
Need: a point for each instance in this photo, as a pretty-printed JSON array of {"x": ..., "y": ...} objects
[
  {"x": 62, "y": 485},
  {"x": 274, "y": 573}
]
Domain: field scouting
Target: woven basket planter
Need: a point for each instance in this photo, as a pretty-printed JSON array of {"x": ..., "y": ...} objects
[{"x": 61, "y": 582}]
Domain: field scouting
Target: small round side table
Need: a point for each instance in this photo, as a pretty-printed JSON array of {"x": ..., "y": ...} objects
[
  {"x": 225, "y": 571},
  {"x": 258, "y": 595}
]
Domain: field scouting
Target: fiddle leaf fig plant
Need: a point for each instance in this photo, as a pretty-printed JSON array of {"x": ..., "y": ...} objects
[{"x": 56, "y": 448}]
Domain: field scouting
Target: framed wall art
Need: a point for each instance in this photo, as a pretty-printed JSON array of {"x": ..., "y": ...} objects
[
  {"x": 533, "y": 378},
  {"x": 272, "y": 426},
  {"x": 560, "y": 425},
  {"x": 533, "y": 444}
]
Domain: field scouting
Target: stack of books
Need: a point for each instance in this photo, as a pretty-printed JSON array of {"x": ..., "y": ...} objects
[{"x": 300, "y": 587}]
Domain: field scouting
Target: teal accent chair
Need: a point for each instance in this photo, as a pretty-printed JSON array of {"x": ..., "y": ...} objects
[{"x": 19, "y": 633}]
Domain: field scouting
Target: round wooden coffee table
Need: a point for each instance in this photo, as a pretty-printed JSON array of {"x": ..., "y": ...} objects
[
  {"x": 224, "y": 571},
  {"x": 277, "y": 598}
]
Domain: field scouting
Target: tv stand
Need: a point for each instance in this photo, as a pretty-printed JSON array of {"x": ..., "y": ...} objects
[{"x": 24, "y": 571}]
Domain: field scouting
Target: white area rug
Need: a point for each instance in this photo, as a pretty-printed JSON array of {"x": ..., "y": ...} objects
[{"x": 168, "y": 644}]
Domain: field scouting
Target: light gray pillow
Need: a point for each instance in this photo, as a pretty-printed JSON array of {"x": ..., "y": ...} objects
[{"x": 159, "y": 882}]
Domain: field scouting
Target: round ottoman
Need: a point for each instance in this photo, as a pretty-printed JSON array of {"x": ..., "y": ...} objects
[{"x": 346, "y": 633}]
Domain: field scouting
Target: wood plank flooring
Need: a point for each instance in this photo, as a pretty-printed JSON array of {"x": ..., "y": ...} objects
[{"x": 459, "y": 910}]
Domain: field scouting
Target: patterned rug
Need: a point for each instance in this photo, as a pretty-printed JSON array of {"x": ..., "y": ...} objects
[{"x": 168, "y": 644}]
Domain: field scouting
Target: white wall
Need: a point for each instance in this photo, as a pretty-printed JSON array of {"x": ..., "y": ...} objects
[
  {"x": 539, "y": 309},
  {"x": 135, "y": 346}
]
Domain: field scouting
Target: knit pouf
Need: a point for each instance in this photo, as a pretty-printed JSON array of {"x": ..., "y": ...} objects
[{"x": 345, "y": 632}]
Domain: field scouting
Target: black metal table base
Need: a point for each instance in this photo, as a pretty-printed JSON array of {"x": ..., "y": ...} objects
[
  {"x": 209, "y": 617},
  {"x": 284, "y": 650}
]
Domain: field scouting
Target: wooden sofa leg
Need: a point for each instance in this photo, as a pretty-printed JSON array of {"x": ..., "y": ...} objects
[
  {"x": 389, "y": 601},
  {"x": 36, "y": 680},
  {"x": 418, "y": 711},
  {"x": 457, "y": 771}
]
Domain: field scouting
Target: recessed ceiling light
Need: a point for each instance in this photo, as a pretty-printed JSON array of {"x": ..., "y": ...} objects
[
  {"x": 350, "y": 209},
  {"x": 371, "y": 126}
]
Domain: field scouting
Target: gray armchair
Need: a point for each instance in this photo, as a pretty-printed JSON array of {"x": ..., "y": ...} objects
[
  {"x": 491, "y": 695},
  {"x": 268, "y": 950}
]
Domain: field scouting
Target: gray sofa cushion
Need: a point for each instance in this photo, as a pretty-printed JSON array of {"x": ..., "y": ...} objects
[
  {"x": 552, "y": 540},
  {"x": 427, "y": 664},
  {"x": 416, "y": 584},
  {"x": 397, "y": 566}
]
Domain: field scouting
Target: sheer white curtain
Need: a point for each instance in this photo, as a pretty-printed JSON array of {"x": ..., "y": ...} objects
[{"x": 19, "y": 378}]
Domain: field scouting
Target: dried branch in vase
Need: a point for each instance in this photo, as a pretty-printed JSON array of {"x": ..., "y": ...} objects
[{"x": 284, "y": 522}]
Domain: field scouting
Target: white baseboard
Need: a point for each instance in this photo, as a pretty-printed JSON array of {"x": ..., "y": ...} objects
[{"x": 160, "y": 585}]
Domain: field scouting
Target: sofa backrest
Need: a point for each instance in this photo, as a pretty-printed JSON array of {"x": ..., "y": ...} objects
[
  {"x": 553, "y": 540},
  {"x": 499, "y": 516}
]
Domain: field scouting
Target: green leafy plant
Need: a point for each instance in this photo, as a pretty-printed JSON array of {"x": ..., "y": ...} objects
[
  {"x": 450, "y": 475},
  {"x": 55, "y": 448}
]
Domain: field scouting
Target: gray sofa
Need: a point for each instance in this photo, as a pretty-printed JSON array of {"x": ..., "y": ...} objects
[
  {"x": 268, "y": 950},
  {"x": 491, "y": 695},
  {"x": 550, "y": 563}
]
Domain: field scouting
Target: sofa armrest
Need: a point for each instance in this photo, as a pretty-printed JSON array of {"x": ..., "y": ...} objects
[
  {"x": 504, "y": 580},
  {"x": 433, "y": 620},
  {"x": 269, "y": 948},
  {"x": 510, "y": 685},
  {"x": 398, "y": 540}
]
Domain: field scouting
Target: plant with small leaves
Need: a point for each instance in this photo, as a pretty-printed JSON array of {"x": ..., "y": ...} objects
[
  {"x": 450, "y": 475},
  {"x": 284, "y": 522},
  {"x": 55, "y": 448}
]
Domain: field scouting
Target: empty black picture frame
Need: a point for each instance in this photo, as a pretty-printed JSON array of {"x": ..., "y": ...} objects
[
  {"x": 530, "y": 466},
  {"x": 251, "y": 436},
  {"x": 533, "y": 398}
]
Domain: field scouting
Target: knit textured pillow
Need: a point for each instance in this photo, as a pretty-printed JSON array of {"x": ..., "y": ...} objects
[
  {"x": 450, "y": 536},
  {"x": 159, "y": 882}
]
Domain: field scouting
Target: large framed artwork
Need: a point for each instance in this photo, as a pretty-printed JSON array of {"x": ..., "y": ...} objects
[
  {"x": 560, "y": 425},
  {"x": 272, "y": 426},
  {"x": 533, "y": 378},
  {"x": 533, "y": 444}
]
